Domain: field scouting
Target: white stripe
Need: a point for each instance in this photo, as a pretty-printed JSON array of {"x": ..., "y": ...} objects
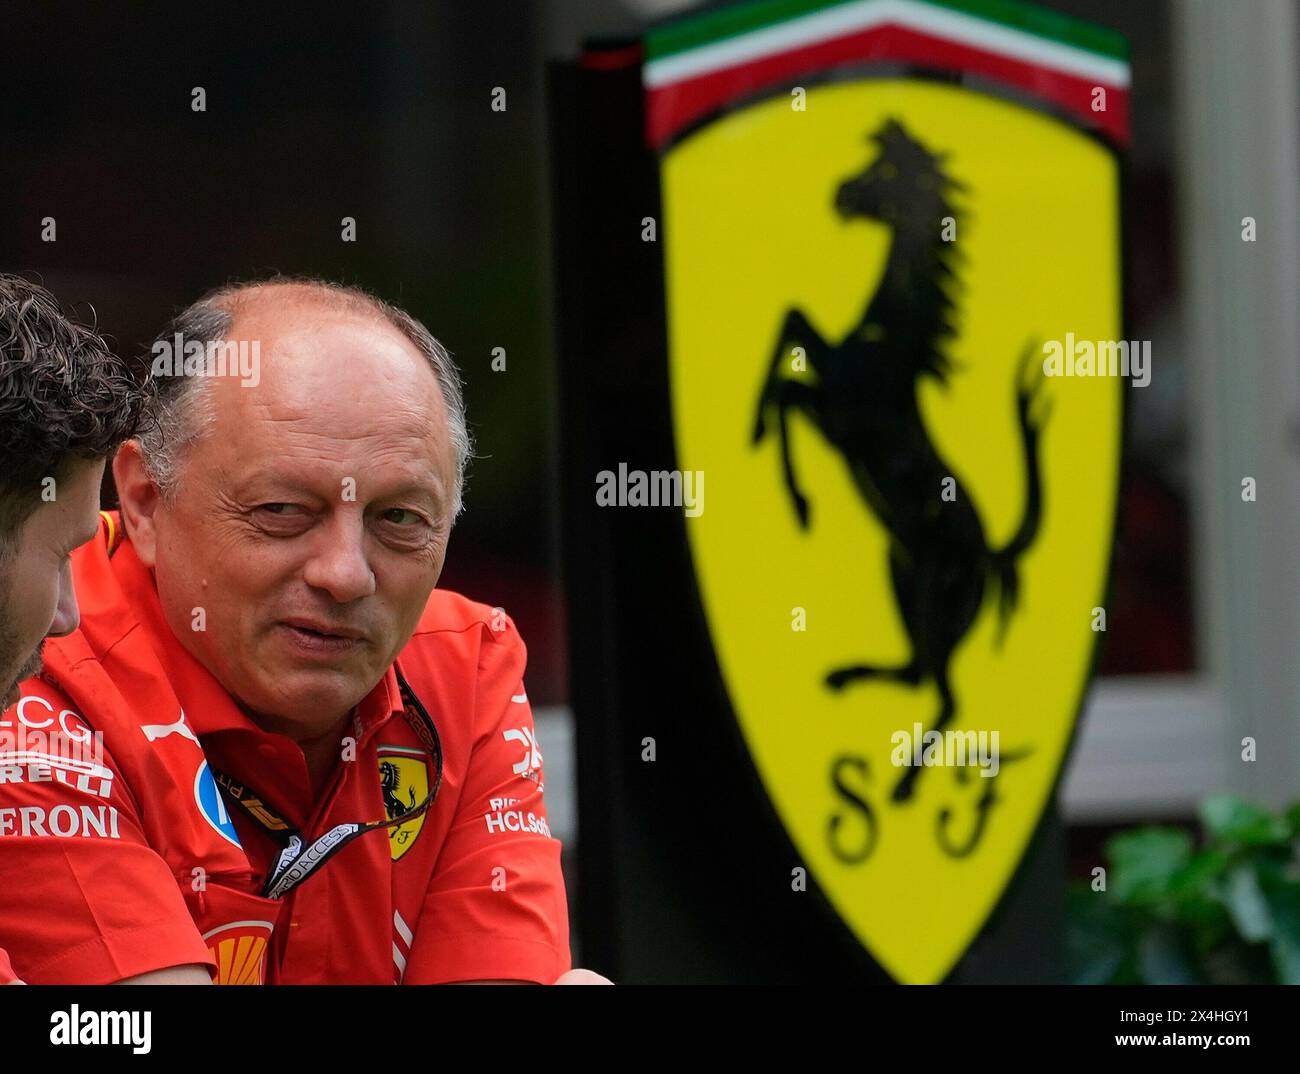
[
  {"x": 518, "y": 699},
  {"x": 400, "y": 960},
  {"x": 403, "y": 929},
  {"x": 235, "y": 925},
  {"x": 410, "y": 751},
  {"x": 71, "y": 764},
  {"x": 865, "y": 14}
]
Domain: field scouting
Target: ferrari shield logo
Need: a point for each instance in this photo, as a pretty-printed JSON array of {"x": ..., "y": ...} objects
[
  {"x": 404, "y": 782},
  {"x": 908, "y": 534}
]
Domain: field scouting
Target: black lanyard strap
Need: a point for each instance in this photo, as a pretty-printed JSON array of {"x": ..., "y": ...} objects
[{"x": 299, "y": 860}]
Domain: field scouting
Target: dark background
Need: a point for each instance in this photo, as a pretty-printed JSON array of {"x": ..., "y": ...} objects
[{"x": 379, "y": 112}]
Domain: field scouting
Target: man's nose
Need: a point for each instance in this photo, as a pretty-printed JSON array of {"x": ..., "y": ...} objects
[
  {"x": 66, "y": 614},
  {"x": 339, "y": 565}
]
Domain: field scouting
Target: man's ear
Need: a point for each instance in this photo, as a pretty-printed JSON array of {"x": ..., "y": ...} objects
[{"x": 139, "y": 498}]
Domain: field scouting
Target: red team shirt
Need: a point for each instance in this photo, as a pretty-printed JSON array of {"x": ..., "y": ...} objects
[{"x": 134, "y": 861}]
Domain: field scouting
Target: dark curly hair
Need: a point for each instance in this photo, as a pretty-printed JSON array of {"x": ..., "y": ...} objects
[{"x": 63, "y": 395}]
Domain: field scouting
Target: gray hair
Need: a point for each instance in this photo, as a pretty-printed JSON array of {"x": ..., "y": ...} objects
[{"x": 181, "y": 412}]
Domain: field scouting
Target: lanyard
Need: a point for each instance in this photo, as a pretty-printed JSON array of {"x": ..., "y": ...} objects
[{"x": 298, "y": 860}]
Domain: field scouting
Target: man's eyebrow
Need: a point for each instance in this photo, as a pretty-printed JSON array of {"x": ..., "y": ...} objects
[
  {"x": 418, "y": 491},
  {"x": 257, "y": 485},
  {"x": 265, "y": 483}
]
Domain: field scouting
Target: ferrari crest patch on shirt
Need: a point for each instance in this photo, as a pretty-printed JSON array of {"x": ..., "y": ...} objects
[{"x": 404, "y": 782}]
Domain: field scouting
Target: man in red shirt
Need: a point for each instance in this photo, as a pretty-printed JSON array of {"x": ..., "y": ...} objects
[
  {"x": 315, "y": 767},
  {"x": 66, "y": 403}
]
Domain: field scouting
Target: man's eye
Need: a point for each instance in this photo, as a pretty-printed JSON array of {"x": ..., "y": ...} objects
[
  {"x": 400, "y": 516},
  {"x": 275, "y": 513}
]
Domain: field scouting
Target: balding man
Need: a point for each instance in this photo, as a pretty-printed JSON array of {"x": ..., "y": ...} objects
[{"x": 320, "y": 768}]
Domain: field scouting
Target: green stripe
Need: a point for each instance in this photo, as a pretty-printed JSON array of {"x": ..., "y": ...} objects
[
  {"x": 1043, "y": 23},
  {"x": 709, "y": 27}
]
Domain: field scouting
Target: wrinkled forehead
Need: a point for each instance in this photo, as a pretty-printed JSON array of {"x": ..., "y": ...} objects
[{"x": 327, "y": 394}]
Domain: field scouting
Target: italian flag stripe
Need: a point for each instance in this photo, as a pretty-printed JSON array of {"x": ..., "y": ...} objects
[{"x": 695, "y": 67}]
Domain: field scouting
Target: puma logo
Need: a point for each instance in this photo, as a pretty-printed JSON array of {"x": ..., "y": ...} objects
[{"x": 154, "y": 731}]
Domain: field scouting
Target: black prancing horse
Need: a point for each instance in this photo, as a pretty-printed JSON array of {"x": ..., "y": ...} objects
[
  {"x": 389, "y": 780},
  {"x": 864, "y": 402}
]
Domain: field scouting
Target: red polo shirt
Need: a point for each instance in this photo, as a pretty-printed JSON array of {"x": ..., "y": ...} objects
[{"x": 130, "y": 859}]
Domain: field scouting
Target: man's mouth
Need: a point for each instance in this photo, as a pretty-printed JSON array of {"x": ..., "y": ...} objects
[{"x": 315, "y": 638}]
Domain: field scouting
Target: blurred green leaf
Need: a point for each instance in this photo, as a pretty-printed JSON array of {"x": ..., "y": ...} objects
[
  {"x": 1207, "y": 921},
  {"x": 1283, "y": 895},
  {"x": 1145, "y": 861},
  {"x": 1227, "y": 913},
  {"x": 1292, "y": 816},
  {"x": 1198, "y": 877},
  {"x": 1246, "y": 903},
  {"x": 1231, "y": 818},
  {"x": 1285, "y": 951}
]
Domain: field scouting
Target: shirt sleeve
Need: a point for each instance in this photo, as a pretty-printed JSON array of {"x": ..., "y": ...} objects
[
  {"x": 7, "y": 975},
  {"x": 496, "y": 907},
  {"x": 84, "y": 899}
]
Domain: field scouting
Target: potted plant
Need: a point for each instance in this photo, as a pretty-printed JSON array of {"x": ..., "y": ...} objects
[{"x": 1166, "y": 911}]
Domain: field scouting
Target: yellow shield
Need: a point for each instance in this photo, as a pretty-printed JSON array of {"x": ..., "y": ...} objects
[
  {"x": 404, "y": 783},
  {"x": 870, "y": 286}
]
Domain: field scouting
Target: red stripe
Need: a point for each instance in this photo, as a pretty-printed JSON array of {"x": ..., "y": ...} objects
[
  {"x": 611, "y": 59},
  {"x": 671, "y": 108}
]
